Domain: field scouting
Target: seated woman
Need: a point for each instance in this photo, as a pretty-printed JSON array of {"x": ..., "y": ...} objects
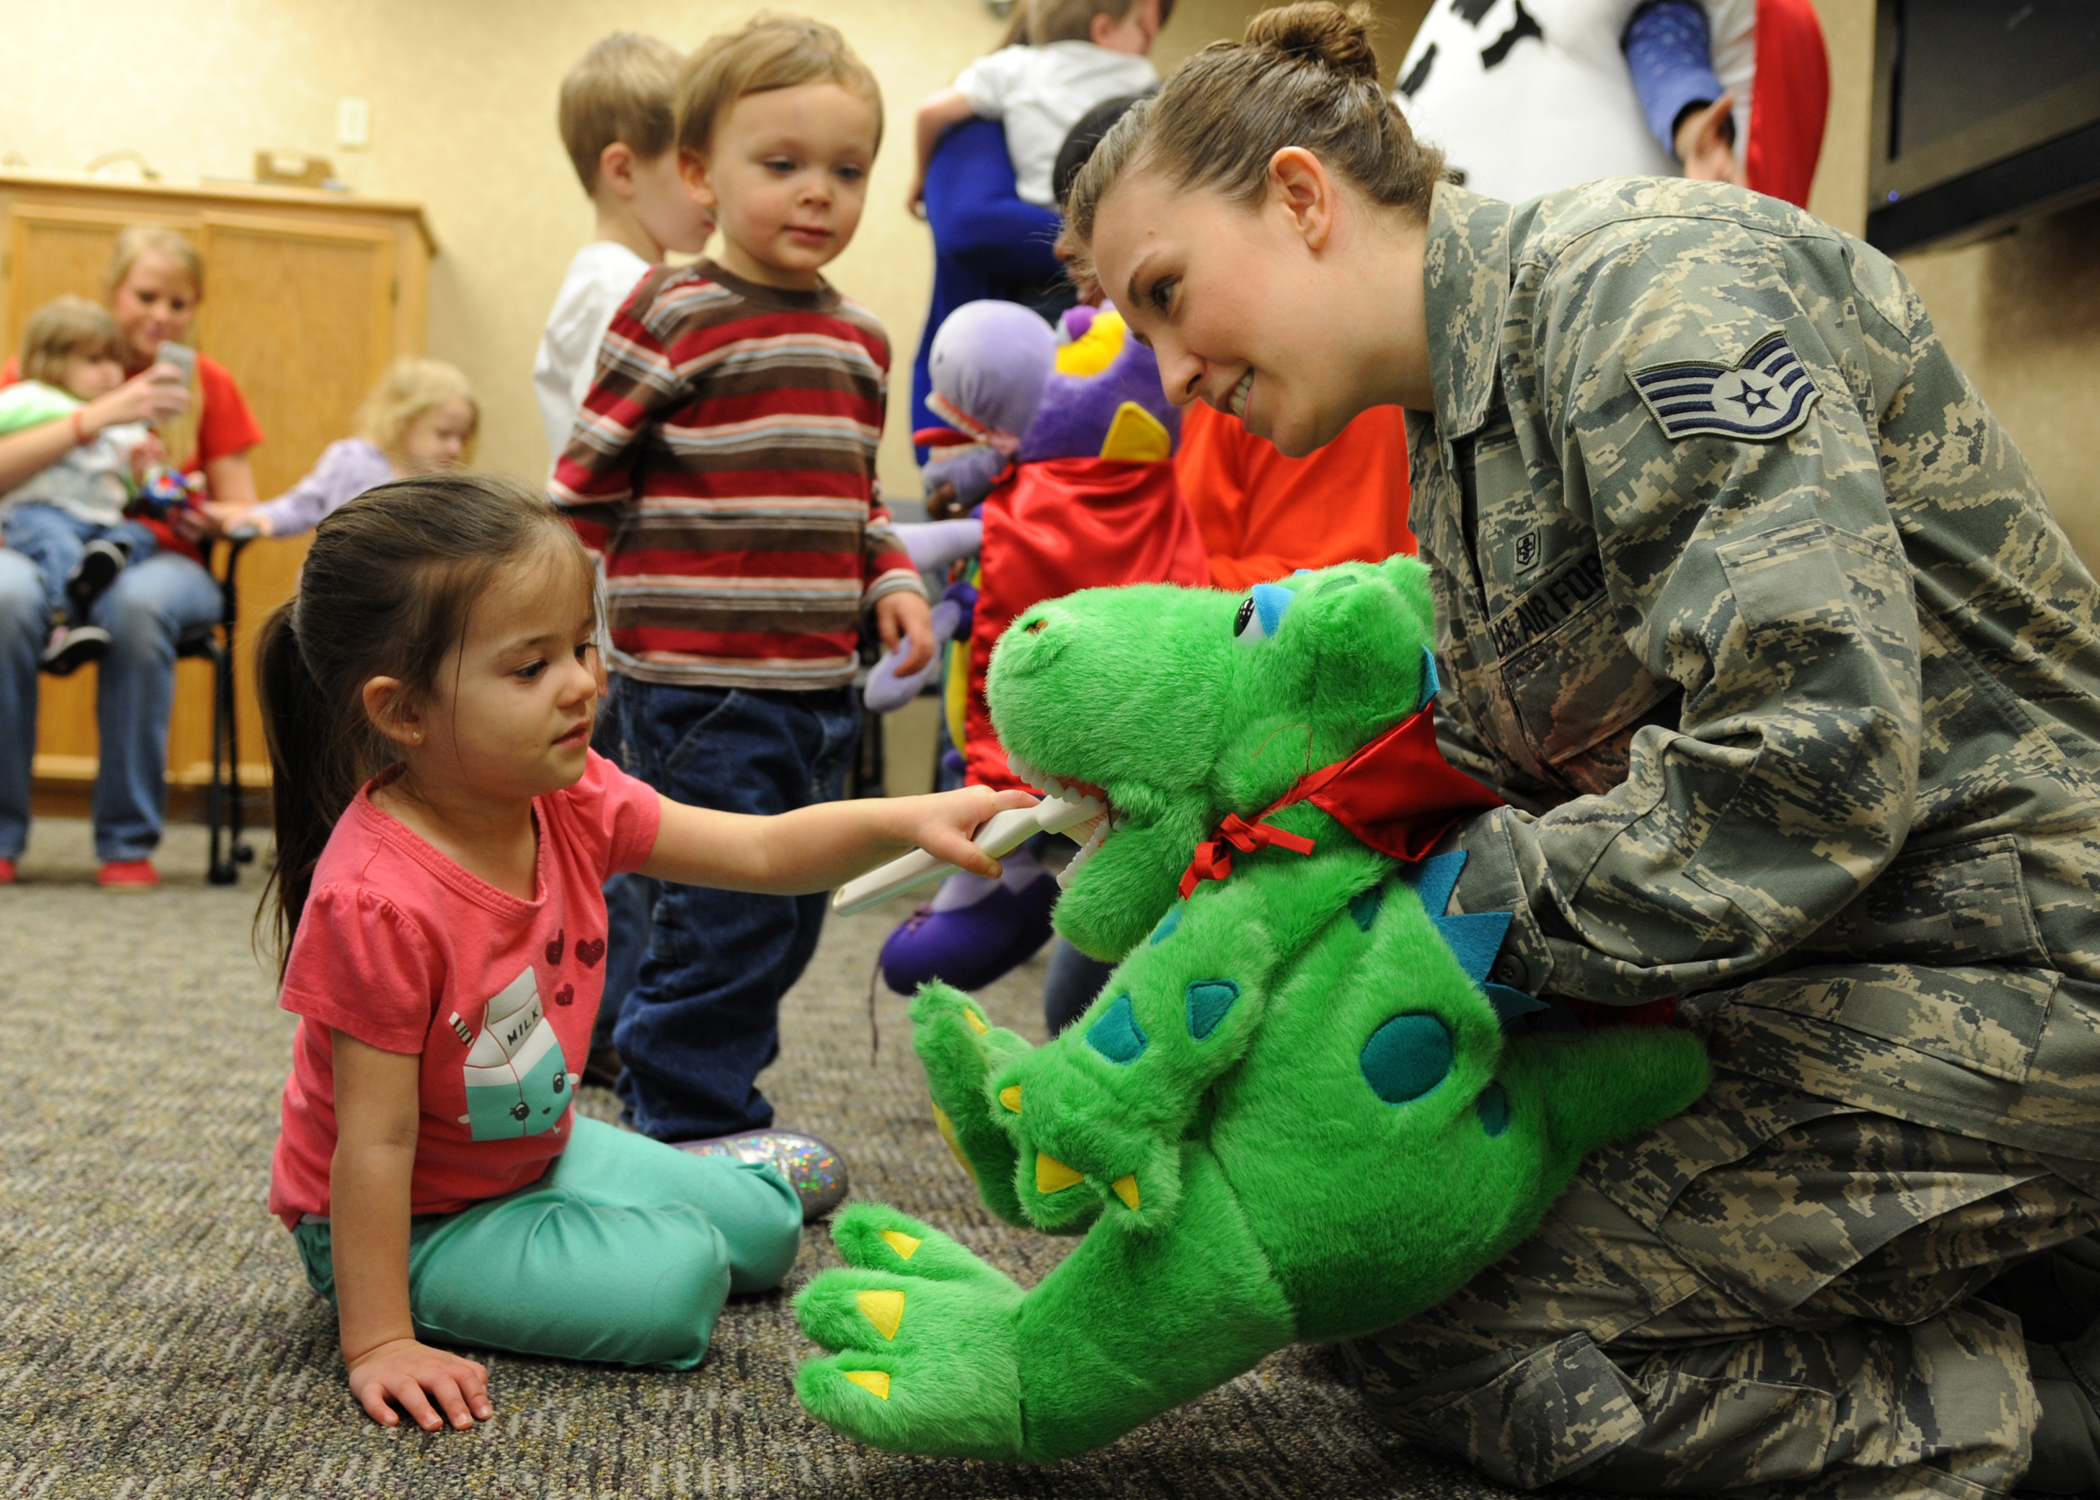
[
  {"x": 420, "y": 418},
  {"x": 156, "y": 279}
]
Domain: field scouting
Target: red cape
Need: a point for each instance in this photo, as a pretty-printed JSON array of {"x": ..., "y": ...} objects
[{"x": 1063, "y": 525}]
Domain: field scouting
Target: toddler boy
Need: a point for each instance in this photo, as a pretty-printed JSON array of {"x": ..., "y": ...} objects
[
  {"x": 616, "y": 125},
  {"x": 724, "y": 468},
  {"x": 68, "y": 518},
  {"x": 1079, "y": 54}
]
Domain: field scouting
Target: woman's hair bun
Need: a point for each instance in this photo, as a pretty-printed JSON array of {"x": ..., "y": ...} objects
[{"x": 1318, "y": 31}]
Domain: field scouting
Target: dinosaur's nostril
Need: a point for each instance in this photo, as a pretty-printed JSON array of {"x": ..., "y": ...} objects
[
  {"x": 1035, "y": 627},
  {"x": 1407, "y": 1057}
]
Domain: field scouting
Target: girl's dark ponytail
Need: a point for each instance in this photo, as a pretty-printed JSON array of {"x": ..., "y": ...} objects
[
  {"x": 387, "y": 590},
  {"x": 315, "y": 769}
]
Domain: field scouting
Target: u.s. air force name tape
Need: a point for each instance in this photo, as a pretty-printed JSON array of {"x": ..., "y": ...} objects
[{"x": 1765, "y": 395}]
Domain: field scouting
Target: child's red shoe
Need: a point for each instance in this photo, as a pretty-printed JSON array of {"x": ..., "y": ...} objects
[
  {"x": 128, "y": 875},
  {"x": 7, "y": 872}
]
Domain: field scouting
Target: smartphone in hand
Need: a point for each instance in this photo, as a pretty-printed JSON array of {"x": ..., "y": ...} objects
[{"x": 182, "y": 356}]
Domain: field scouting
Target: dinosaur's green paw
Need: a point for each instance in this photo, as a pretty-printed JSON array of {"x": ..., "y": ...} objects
[
  {"x": 924, "y": 1337},
  {"x": 959, "y": 1048},
  {"x": 1086, "y": 1147}
]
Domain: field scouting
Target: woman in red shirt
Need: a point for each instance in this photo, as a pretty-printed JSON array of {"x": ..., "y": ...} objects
[{"x": 156, "y": 280}]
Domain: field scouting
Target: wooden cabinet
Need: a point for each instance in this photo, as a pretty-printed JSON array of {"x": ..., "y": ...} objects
[{"x": 308, "y": 296}]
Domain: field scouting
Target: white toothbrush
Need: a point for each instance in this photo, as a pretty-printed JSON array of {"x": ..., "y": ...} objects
[{"x": 1003, "y": 834}]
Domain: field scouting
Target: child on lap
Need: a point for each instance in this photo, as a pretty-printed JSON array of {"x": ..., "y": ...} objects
[
  {"x": 443, "y": 830},
  {"x": 69, "y": 518},
  {"x": 723, "y": 465}
]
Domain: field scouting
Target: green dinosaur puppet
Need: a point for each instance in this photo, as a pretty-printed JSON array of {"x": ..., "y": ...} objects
[{"x": 1293, "y": 1114}]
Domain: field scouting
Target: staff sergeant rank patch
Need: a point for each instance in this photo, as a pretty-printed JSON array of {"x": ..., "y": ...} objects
[{"x": 1766, "y": 396}]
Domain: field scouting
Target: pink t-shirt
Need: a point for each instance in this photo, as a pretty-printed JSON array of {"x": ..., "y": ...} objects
[{"x": 402, "y": 949}]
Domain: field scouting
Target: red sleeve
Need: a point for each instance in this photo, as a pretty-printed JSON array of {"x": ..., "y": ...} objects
[
  {"x": 1346, "y": 502},
  {"x": 361, "y": 965},
  {"x": 621, "y": 812},
  {"x": 11, "y": 372},
  {"x": 1790, "y": 103},
  {"x": 225, "y": 425},
  {"x": 1208, "y": 469}
]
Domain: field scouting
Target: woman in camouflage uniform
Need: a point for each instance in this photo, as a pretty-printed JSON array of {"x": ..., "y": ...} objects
[{"x": 1760, "y": 625}]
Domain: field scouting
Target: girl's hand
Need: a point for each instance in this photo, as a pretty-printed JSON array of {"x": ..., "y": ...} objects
[
  {"x": 149, "y": 397},
  {"x": 906, "y": 614},
  {"x": 403, "y": 1370},
  {"x": 942, "y": 824}
]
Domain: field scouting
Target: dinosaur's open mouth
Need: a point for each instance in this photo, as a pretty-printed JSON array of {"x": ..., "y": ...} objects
[{"x": 1093, "y": 833}]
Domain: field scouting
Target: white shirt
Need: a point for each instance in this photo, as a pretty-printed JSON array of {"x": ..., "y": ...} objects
[
  {"x": 599, "y": 279},
  {"x": 1523, "y": 113},
  {"x": 1040, "y": 93}
]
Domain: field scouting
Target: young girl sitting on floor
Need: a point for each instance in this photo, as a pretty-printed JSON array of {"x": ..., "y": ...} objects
[
  {"x": 420, "y": 419},
  {"x": 443, "y": 830}
]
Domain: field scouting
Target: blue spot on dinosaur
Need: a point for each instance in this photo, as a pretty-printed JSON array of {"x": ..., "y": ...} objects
[
  {"x": 1407, "y": 1057},
  {"x": 1116, "y": 1036},
  {"x": 1209, "y": 999}
]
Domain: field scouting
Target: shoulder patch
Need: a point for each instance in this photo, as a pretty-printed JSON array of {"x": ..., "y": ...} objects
[{"x": 1765, "y": 396}]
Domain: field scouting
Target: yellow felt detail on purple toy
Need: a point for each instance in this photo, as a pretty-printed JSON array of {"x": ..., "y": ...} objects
[
  {"x": 1096, "y": 349},
  {"x": 884, "y": 1309},
  {"x": 1138, "y": 436},
  {"x": 1052, "y": 1175}
]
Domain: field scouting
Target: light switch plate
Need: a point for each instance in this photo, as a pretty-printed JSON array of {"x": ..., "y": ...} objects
[{"x": 353, "y": 123}]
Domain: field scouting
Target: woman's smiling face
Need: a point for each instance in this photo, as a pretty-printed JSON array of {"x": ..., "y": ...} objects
[{"x": 1237, "y": 302}]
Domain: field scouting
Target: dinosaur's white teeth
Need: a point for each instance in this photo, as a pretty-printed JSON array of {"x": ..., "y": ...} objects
[
  {"x": 1095, "y": 840},
  {"x": 1053, "y": 786},
  {"x": 1025, "y": 771}
]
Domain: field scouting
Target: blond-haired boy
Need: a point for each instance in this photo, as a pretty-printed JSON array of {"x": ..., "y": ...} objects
[
  {"x": 723, "y": 466},
  {"x": 1079, "y": 53},
  {"x": 69, "y": 518},
  {"x": 618, "y": 128}
]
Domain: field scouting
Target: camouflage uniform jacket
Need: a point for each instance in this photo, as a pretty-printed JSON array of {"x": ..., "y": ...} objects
[{"x": 1756, "y": 618}]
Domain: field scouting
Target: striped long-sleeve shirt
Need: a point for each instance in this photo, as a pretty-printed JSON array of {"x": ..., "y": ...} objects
[{"x": 723, "y": 467}]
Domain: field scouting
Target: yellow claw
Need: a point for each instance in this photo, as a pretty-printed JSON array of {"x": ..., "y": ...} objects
[
  {"x": 903, "y": 1244},
  {"x": 1010, "y": 1096},
  {"x": 1126, "y": 1189},
  {"x": 884, "y": 1309},
  {"x": 946, "y": 1127},
  {"x": 870, "y": 1380},
  {"x": 1053, "y": 1176},
  {"x": 976, "y": 1021}
]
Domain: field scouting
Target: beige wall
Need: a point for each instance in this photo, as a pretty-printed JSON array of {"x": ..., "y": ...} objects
[
  {"x": 462, "y": 119},
  {"x": 2020, "y": 313}
]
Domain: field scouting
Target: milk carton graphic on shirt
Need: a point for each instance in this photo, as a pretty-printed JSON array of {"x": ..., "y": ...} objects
[{"x": 516, "y": 1080}]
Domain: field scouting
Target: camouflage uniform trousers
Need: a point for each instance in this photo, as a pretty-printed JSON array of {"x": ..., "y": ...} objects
[{"x": 1770, "y": 1294}]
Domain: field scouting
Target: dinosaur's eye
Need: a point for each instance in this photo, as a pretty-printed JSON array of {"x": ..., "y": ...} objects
[{"x": 1261, "y": 612}]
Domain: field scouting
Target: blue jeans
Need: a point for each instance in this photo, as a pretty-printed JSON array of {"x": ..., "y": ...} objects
[
  {"x": 53, "y": 539},
  {"x": 703, "y": 1018},
  {"x": 151, "y": 604}
]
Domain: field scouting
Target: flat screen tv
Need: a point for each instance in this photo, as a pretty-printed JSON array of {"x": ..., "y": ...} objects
[{"x": 1986, "y": 112}]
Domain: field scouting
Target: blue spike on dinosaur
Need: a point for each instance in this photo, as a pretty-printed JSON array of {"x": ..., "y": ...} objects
[
  {"x": 1474, "y": 938},
  {"x": 1435, "y": 878}
]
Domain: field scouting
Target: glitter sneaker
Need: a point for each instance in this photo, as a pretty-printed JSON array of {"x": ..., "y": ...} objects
[{"x": 815, "y": 1171}]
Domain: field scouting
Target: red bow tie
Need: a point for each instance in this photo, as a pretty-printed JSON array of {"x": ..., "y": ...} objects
[{"x": 1397, "y": 794}]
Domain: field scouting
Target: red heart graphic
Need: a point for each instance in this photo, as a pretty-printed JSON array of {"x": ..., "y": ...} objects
[
  {"x": 554, "y": 948},
  {"x": 566, "y": 995},
  {"x": 588, "y": 953}
]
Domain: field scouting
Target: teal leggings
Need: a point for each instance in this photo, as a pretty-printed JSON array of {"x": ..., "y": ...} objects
[{"x": 623, "y": 1253}]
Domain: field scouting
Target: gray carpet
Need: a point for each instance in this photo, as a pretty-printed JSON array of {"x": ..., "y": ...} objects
[{"x": 157, "y": 1339}]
